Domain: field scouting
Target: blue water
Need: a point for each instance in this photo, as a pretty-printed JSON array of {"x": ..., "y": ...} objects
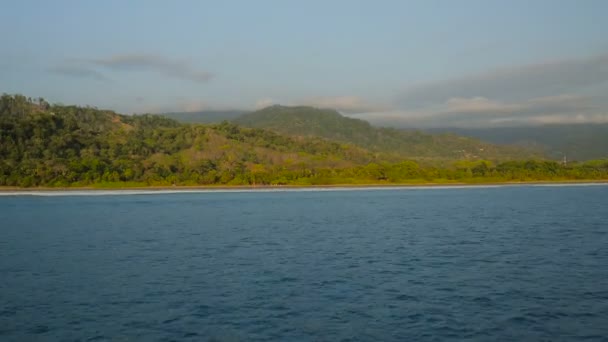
[{"x": 487, "y": 264}]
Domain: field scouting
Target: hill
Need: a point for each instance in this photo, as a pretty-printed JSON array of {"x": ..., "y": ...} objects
[
  {"x": 42, "y": 144},
  {"x": 329, "y": 124},
  {"x": 61, "y": 146},
  {"x": 205, "y": 117},
  {"x": 576, "y": 141}
]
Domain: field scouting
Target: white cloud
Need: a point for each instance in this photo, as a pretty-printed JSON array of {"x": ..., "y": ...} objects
[
  {"x": 477, "y": 104},
  {"x": 513, "y": 84},
  {"x": 193, "y": 106},
  {"x": 479, "y": 112},
  {"x": 566, "y": 91},
  {"x": 265, "y": 102},
  {"x": 345, "y": 104}
]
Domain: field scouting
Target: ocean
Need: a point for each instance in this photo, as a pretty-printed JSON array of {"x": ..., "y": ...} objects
[{"x": 487, "y": 263}]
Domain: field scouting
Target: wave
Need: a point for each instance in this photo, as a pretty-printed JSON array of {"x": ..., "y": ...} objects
[
  {"x": 53, "y": 193},
  {"x": 569, "y": 184}
]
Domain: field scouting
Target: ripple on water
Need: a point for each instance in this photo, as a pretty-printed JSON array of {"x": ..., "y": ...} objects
[{"x": 504, "y": 263}]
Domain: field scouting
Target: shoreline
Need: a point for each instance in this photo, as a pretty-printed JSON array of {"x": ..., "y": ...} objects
[{"x": 177, "y": 188}]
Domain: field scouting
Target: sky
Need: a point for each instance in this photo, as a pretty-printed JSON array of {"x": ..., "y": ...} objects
[{"x": 402, "y": 63}]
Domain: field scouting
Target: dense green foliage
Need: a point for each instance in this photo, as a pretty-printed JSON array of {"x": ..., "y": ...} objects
[
  {"x": 206, "y": 116},
  {"x": 576, "y": 141},
  {"x": 66, "y": 145},
  {"x": 55, "y": 145},
  {"x": 329, "y": 124}
]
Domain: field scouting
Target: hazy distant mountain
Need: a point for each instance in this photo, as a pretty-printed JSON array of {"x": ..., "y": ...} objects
[
  {"x": 576, "y": 141},
  {"x": 206, "y": 117},
  {"x": 329, "y": 124}
]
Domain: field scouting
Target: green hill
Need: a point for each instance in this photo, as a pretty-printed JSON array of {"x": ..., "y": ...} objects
[
  {"x": 42, "y": 144},
  {"x": 56, "y": 145},
  {"x": 329, "y": 124},
  {"x": 205, "y": 117},
  {"x": 576, "y": 141}
]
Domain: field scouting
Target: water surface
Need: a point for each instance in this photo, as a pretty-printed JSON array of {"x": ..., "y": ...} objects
[{"x": 489, "y": 263}]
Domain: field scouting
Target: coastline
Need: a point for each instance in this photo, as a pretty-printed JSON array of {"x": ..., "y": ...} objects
[{"x": 186, "y": 188}]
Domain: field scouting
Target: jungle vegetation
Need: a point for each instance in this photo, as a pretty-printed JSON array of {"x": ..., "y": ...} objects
[{"x": 54, "y": 145}]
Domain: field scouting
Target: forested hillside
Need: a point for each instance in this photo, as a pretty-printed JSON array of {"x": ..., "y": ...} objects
[
  {"x": 329, "y": 124},
  {"x": 56, "y": 145},
  {"x": 206, "y": 116},
  {"x": 62, "y": 145},
  {"x": 575, "y": 141}
]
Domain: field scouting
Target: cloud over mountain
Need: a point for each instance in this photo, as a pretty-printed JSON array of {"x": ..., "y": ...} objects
[
  {"x": 515, "y": 83},
  {"x": 563, "y": 91},
  {"x": 344, "y": 104}
]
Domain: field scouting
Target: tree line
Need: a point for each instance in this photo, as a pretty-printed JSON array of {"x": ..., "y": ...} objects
[{"x": 61, "y": 146}]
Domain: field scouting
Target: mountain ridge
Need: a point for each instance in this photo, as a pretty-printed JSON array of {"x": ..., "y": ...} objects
[
  {"x": 330, "y": 124},
  {"x": 72, "y": 146},
  {"x": 574, "y": 141},
  {"x": 205, "y": 116}
]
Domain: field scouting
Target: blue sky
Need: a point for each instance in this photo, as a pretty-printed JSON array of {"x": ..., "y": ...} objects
[{"x": 405, "y": 63}]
